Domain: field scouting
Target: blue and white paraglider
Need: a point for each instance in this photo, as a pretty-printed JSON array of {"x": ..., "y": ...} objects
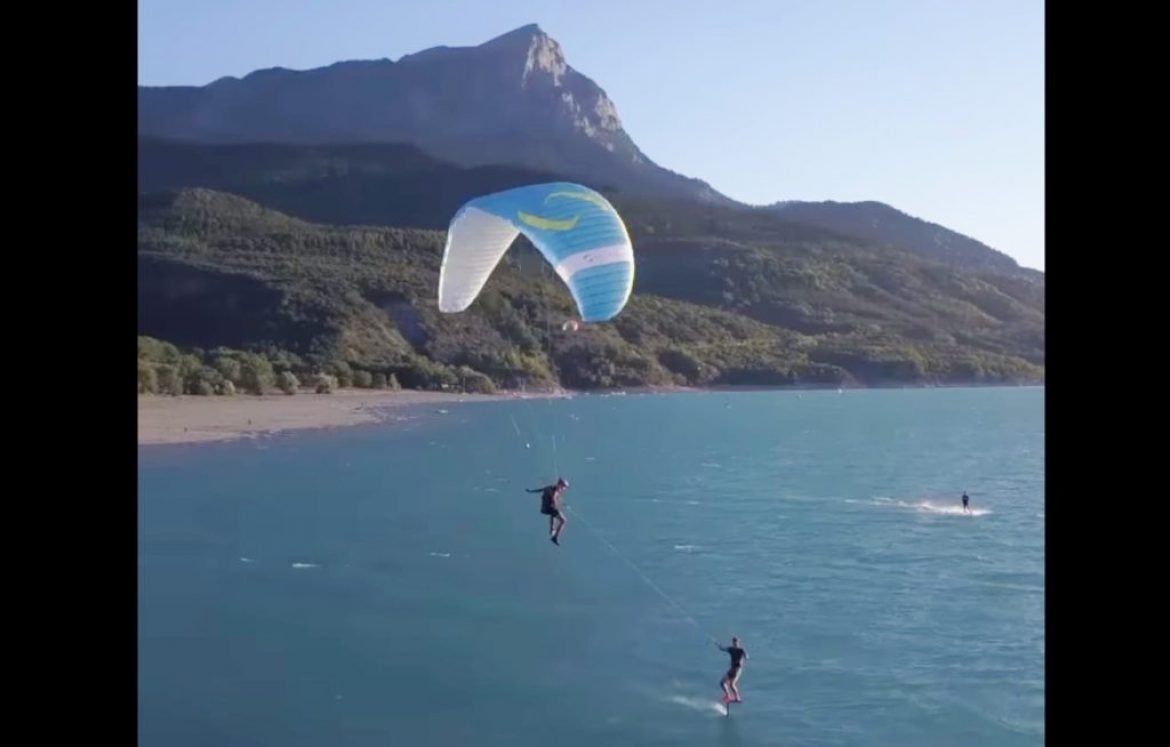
[{"x": 573, "y": 227}]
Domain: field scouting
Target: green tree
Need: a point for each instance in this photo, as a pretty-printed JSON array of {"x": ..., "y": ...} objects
[
  {"x": 168, "y": 380},
  {"x": 203, "y": 388},
  {"x": 475, "y": 382},
  {"x": 203, "y": 380},
  {"x": 147, "y": 378},
  {"x": 323, "y": 383},
  {"x": 342, "y": 372},
  {"x": 683, "y": 363},
  {"x": 157, "y": 351},
  {"x": 229, "y": 368},
  {"x": 283, "y": 360},
  {"x": 287, "y": 382},
  {"x": 189, "y": 366},
  {"x": 256, "y": 374},
  {"x": 363, "y": 379}
]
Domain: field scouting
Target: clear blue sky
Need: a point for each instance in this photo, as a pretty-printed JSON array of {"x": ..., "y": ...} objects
[{"x": 933, "y": 106}]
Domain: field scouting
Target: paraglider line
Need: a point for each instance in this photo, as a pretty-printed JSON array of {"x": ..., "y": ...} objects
[{"x": 687, "y": 616}]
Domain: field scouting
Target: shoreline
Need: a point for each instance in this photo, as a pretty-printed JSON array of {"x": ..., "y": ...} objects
[{"x": 192, "y": 419}]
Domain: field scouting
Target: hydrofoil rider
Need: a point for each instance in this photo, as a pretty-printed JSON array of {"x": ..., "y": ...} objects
[{"x": 730, "y": 681}]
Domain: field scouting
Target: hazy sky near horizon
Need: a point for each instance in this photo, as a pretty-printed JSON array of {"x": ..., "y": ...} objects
[{"x": 935, "y": 107}]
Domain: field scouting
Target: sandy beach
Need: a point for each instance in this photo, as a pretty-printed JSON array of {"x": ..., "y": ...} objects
[
  {"x": 173, "y": 420},
  {"x": 189, "y": 419}
]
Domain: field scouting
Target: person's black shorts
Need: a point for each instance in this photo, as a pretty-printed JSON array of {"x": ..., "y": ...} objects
[
  {"x": 732, "y": 673},
  {"x": 550, "y": 511}
]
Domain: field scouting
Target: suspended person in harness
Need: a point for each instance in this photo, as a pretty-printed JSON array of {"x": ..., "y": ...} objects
[
  {"x": 730, "y": 681},
  {"x": 550, "y": 506}
]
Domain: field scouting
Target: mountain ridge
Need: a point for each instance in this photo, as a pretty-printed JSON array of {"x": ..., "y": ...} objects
[{"x": 513, "y": 99}]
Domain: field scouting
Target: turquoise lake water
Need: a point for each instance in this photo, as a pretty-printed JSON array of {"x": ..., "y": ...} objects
[{"x": 390, "y": 585}]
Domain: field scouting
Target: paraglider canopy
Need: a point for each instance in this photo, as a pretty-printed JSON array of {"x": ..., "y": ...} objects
[{"x": 574, "y": 228}]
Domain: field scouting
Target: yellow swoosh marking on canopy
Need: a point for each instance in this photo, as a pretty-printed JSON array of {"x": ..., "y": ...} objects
[
  {"x": 596, "y": 200},
  {"x": 547, "y": 224}
]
